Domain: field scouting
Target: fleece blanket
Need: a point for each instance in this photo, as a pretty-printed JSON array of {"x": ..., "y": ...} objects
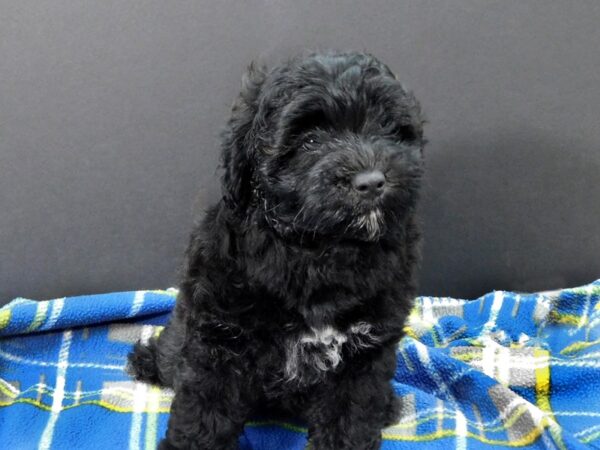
[{"x": 505, "y": 370}]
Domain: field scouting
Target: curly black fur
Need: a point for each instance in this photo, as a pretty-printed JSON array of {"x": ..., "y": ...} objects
[{"x": 297, "y": 286}]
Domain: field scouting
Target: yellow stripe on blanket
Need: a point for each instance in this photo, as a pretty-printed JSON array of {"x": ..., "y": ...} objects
[
  {"x": 40, "y": 316},
  {"x": 4, "y": 318},
  {"x": 542, "y": 392}
]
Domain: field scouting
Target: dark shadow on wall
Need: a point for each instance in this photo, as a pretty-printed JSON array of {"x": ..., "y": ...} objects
[{"x": 512, "y": 210}]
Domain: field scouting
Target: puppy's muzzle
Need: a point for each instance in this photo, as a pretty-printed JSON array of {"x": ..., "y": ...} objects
[{"x": 369, "y": 184}]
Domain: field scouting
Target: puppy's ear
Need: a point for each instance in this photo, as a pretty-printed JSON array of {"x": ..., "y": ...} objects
[
  {"x": 238, "y": 143},
  {"x": 412, "y": 120}
]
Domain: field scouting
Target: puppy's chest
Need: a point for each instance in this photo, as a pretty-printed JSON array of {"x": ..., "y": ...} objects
[{"x": 319, "y": 350}]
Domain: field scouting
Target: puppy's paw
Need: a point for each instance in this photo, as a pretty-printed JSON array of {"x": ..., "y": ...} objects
[
  {"x": 142, "y": 363},
  {"x": 392, "y": 411}
]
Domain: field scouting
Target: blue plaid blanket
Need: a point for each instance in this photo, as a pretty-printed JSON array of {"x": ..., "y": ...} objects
[{"x": 505, "y": 370}]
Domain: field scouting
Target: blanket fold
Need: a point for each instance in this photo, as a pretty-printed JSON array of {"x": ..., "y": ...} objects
[{"x": 504, "y": 370}]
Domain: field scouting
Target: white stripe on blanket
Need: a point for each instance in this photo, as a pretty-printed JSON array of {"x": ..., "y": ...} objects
[
  {"x": 139, "y": 400},
  {"x": 57, "y": 306},
  {"x": 59, "y": 393}
]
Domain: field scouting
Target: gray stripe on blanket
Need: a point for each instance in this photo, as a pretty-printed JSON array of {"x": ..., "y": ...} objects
[
  {"x": 520, "y": 362},
  {"x": 5, "y": 395},
  {"x": 502, "y": 398},
  {"x": 124, "y": 332}
]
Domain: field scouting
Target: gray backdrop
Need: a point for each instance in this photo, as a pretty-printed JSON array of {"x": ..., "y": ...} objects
[{"x": 110, "y": 111}]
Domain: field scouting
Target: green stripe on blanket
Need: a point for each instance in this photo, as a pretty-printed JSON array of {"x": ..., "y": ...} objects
[{"x": 505, "y": 370}]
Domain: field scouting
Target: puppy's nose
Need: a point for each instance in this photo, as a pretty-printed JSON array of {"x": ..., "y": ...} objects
[{"x": 369, "y": 183}]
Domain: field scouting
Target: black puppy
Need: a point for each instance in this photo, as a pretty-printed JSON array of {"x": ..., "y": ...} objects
[{"x": 298, "y": 282}]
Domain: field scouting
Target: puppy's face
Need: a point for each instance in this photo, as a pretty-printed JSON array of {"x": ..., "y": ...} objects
[{"x": 336, "y": 146}]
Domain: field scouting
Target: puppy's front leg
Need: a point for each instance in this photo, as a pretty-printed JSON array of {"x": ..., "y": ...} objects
[
  {"x": 208, "y": 411},
  {"x": 351, "y": 410}
]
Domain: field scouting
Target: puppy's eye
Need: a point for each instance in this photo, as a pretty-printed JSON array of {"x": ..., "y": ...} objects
[{"x": 309, "y": 143}]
